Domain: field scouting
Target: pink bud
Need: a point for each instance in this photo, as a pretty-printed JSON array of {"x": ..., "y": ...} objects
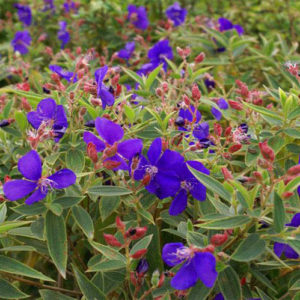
[{"x": 111, "y": 240}]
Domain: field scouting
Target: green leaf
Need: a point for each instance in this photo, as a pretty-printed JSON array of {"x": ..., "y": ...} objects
[
  {"x": 21, "y": 120},
  {"x": 292, "y": 132},
  {"x": 142, "y": 244},
  {"x": 51, "y": 295},
  {"x": 263, "y": 279},
  {"x": 195, "y": 238},
  {"x": 199, "y": 72},
  {"x": 108, "y": 265},
  {"x": 250, "y": 248},
  {"x": 30, "y": 210},
  {"x": 245, "y": 193},
  {"x": 129, "y": 112},
  {"x": 134, "y": 76},
  {"x": 295, "y": 244},
  {"x": 12, "y": 266},
  {"x": 229, "y": 284},
  {"x": 199, "y": 291},
  {"x": 279, "y": 213},
  {"x": 294, "y": 114},
  {"x": 8, "y": 291},
  {"x": 105, "y": 190},
  {"x": 83, "y": 220},
  {"x": 107, "y": 205},
  {"x": 57, "y": 241},
  {"x": 17, "y": 248},
  {"x": 295, "y": 286},
  {"x": 146, "y": 215},
  {"x": 264, "y": 111},
  {"x": 32, "y": 98},
  {"x": 151, "y": 77},
  {"x": 6, "y": 226},
  {"x": 67, "y": 201},
  {"x": 89, "y": 290},
  {"x": 212, "y": 184},
  {"x": 293, "y": 184},
  {"x": 75, "y": 160},
  {"x": 226, "y": 223},
  {"x": 108, "y": 252}
]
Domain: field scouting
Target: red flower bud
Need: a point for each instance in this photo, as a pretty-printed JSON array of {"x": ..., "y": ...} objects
[
  {"x": 209, "y": 248},
  {"x": 138, "y": 254},
  {"x": 226, "y": 173},
  {"x": 7, "y": 178},
  {"x": 243, "y": 281},
  {"x": 111, "y": 164},
  {"x": 196, "y": 94},
  {"x": 165, "y": 87},
  {"x": 228, "y": 131},
  {"x": 110, "y": 151},
  {"x": 287, "y": 195},
  {"x": 234, "y": 148},
  {"x": 294, "y": 171},
  {"x": 120, "y": 224},
  {"x": 133, "y": 279},
  {"x": 161, "y": 280},
  {"x": 266, "y": 151},
  {"x": 217, "y": 129},
  {"x": 218, "y": 239},
  {"x": 92, "y": 152},
  {"x": 136, "y": 233},
  {"x": 258, "y": 176},
  {"x": 146, "y": 179},
  {"x": 111, "y": 240},
  {"x": 186, "y": 100},
  {"x": 164, "y": 144},
  {"x": 235, "y": 105},
  {"x": 199, "y": 58}
]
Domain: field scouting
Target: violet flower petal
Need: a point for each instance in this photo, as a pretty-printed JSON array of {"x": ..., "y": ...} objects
[
  {"x": 179, "y": 203},
  {"x": 169, "y": 254},
  {"x": 186, "y": 277},
  {"x": 108, "y": 130},
  {"x": 36, "y": 196},
  {"x": 17, "y": 189},
  {"x": 30, "y": 165},
  {"x": 63, "y": 178}
]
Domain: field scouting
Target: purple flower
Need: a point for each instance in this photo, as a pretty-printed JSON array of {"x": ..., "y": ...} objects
[
  {"x": 103, "y": 92},
  {"x": 159, "y": 52},
  {"x": 216, "y": 113},
  {"x": 196, "y": 265},
  {"x": 63, "y": 34},
  {"x": 225, "y": 24},
  {"x": 201, "y": 131},
  {"x": 189, "y": 114},
  {"x": 288, "y": 251},
  {"x": 52, "y": 114},
  {"x": 219, "y": 296},
  {"x": 63, "y": 73},
  {"x": 209, "y": 83},
  {"x": 49, "y": 5},
  {"x": 112, "y": 134},
  {"x": 30, "y": 166},
  {"x": 222, "y": 103},
  {"x": 138, "y": 16},
  {"x": 299, "y": 185},
  {"x": 176, "y": 14},
  {"x": 24, "y": 13},
  {"x": 127, "y": 51},
  {"x": 21, "y": 41},
  {"x": 188, "y": 184},
  {"x": 142, "y": 267},
  {"x": 146, "y": 68},
  {"x": 159, "y": 169},
  {"x": 69, "y": 6}
]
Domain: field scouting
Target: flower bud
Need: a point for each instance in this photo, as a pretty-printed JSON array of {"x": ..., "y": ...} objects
[
  {"x": 138, "y": 254},
  {"x": 155, "y": 278},
  {"x": 287, "y": 195},
  {"x": 120, "y": 224},
  {"x": 92, "y": 152},
  {"x": 209, "y": 248},
  {"x": 258, "y": 176},
  {"x": 136, "y": 233},
  {"x": 159, "y": 92},
  {"x": 111, "y": 240},
  {"x": 7, "y": 178},
  {"x": 165, "y": 87},
  {"x": 226, "y": 173},
  {"x": 294, "y": 171},
  {"x": 217, "y": 129},
  {"x": 186, "y": 100},
  {"x": 161, "y": 280},
  {"x": 146, "y": 179},
  {"x": 228, "y": 131},
  {"x": 235, "y": 105},
  {"x": 200, "y": 57},
  {"x": 111, "y": 164},
  {"x": 111, "y": 151},
  {"x": 133, "y": 279},
  {"x": 196, "y": 94},
  {"x": 266, "y": 151},
  {"x": 142, "y": 267},
  {"x": 234, "y": 148},
  {"x": 218, "y": 239}
]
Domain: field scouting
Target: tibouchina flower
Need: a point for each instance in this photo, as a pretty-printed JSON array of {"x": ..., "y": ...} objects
[
  {"x": 225, "y": 24},
  {"x": 30, "y": 166},
  {"x": 222, "y": 103},
  {"x": 115, "y": 149},
  {"x": 216, "y": 113},
  {"x": 63, "y": 73},
  {"x": 21, "y": 41},
  {"x": 157, "y": 171},
  {"x": 52, "y": 114},
  {"x": 103, "y": 92},
  {"x": 24, "y": 13},
  {"x": 176, "y": 14},
  {"x": 127, "y": 51},
  {"x": 281, "y": 248},
  {"x": 189, "y": 184},
  {"x": 138, "y": 16},
  {"x": 63, "y": 35},
  {"x": 159, "y": 52},
  {"x": 196, "y": 266}
]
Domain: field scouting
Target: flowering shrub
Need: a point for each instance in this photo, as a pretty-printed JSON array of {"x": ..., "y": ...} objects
[{"x": 149, "y": 150}]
